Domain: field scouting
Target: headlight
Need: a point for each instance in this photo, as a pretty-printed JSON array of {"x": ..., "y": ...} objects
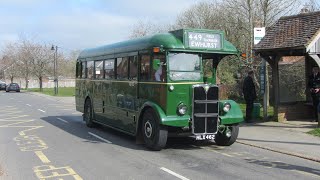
[
  {"x": 182, "y": 109},
  {"x": 226, "y": 107}
]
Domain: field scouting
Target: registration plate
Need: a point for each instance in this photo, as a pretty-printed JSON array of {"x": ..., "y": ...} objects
[{"x": 205, "y": 136}]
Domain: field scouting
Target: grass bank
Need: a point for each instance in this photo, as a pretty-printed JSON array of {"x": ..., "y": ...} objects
[
  {"x": 315, "y": 132},
  {"x": 62, "y": 91}
]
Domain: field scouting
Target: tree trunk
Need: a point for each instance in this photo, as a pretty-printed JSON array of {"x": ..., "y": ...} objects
[
  {"x": 27, "y": 83},
  {"x": 40, "y": 83},
  {"x": 11, "y": 79}
]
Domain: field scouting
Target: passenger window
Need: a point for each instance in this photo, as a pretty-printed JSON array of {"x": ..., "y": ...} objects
[
  {"x": 109, "y": 69},
  {"x": 145, "y": 67},
  {"x": 160, "y": 73},
  {"x": 99, "y": 69},
  {"x": 84, "y": 70},
  {"x": 122, "y": 68},
  {"x": 90, "y": 69},
  {"x": 133, "y": 66},
  {"x": 78, "y": 70}
]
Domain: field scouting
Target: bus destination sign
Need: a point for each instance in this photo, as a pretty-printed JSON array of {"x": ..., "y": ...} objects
[{"x": 204, "y": 40}]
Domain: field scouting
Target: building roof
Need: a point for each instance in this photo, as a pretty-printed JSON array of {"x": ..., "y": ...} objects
[{"x": 291, "y": 32}]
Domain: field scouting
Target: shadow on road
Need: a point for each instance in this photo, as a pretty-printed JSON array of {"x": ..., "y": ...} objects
[
  {"x": 285, "y": 166},
  {"x": 77, "y": 127}
]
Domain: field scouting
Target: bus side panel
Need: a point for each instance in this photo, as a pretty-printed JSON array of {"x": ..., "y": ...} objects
[
  {"x": 97, "y": 99},
  {"x": 155, "y": 93},
  {"x": 125, "y": 102},
  {"x": 109, "y": 108},
  {"x": 80, "y": 94}
]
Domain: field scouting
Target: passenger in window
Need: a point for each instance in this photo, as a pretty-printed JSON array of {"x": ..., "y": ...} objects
[{"x": 158, "y": 74}]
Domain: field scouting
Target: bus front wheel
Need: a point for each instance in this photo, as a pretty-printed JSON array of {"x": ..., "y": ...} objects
[
  {"x": 154, "y": 135},
  {"x": 222, "y": 139},
  {"x": 88, "y": 114}
]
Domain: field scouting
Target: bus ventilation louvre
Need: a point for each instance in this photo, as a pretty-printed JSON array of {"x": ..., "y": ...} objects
[{"x": 205, "y": 109}]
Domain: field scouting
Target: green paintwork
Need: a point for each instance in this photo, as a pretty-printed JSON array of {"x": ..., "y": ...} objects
[
  {"x": 233, "y": 116},
  {"x": 168, "y": 41},
  {"x": 120, "y": 103}
]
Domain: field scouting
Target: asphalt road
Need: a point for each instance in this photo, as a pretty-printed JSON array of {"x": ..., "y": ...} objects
[{"x": 41, "y": 138}]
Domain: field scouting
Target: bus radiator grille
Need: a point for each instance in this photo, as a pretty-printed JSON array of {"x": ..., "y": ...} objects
[{"x": 205, "y": 109}]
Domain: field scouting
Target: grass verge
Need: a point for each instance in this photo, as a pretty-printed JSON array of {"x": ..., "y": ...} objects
[
  {"x": 62, "y": 91},
  {"x": 270, "y": 111},
  {"x": 315, "y": 132}
]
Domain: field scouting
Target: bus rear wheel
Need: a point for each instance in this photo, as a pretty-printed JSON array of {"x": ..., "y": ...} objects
[
  {"x": 88, "y": 114},
  {"x": 222, "y": 139},
  {"x": 154, "y": 135}
]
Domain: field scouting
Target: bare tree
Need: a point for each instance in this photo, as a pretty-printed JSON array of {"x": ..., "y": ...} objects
[
  {"x": 10, "y": 61},
  {"x": 271, "y": 10},
  {"x": 41, "y": 56},
  {"x": 204, "y": 15},
  {"x": 25, "y": 56}
]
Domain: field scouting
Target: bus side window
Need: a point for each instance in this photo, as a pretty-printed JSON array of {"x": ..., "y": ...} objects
[
  {"x": 133, "y": 67},
  {"x": 122, "y": 68},
  {"x": 109, "y": 69},
  {"x": 145, "y": 67},
  {"x": 98, "y": 69},
  {"x": 90, "y": 69},
  {"x": 78, "y": 66},
  {"x": 84, "y": 69}
]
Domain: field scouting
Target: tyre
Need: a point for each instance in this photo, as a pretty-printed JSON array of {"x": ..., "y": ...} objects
[
  {"x": 222, "y": 139},
  {"x": 88, "y": 114},
  {"x": 154, "y": 134}
]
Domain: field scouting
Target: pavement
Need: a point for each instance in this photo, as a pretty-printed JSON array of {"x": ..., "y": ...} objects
[{"x": 289, "y": 137}]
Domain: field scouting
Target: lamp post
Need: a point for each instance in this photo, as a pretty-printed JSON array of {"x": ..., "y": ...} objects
[{"x": 55, "y": 67}]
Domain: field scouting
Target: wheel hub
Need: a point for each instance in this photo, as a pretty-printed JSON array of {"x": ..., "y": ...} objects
[{"x": 148, "y": 129}]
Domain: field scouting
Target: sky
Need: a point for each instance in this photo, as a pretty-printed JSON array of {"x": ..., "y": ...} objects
[{"x": 79, "y": 24}]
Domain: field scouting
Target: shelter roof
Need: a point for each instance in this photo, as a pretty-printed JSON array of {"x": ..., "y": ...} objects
[{"x": 291, "y": 32}]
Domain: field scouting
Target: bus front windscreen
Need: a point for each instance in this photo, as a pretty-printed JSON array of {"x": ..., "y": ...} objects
[{"x": 184, "y": 66}]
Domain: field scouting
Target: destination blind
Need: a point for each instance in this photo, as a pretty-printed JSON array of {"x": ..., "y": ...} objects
[{"x": 204, "y": 40}]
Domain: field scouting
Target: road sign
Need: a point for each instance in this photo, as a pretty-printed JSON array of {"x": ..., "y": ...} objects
[{"x": 258, "y": 34}]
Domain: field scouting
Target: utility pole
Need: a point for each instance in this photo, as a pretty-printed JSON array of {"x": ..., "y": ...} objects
[{"x": 55, "y": 68}]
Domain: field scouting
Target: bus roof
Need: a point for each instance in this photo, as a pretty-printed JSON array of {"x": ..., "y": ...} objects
[{"x": 187, "y": 40}]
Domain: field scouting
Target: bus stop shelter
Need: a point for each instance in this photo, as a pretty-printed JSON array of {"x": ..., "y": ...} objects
[{"x": 297, "y": 35}]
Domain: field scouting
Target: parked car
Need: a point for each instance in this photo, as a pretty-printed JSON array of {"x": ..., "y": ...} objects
[
  {"x": 2, "y": 86},
  {"x": 13, "y": 87}
]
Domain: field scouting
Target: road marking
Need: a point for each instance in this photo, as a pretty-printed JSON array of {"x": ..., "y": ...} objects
[
  {"x": 22, "y": 133},
  {"x": 102, "y": 139},
  {"x": 212, "y": 150},
  {"x": 16, "y": 122},
  {"x": 13, "y": 112},
  {"x": 41, "y": 110},
  {"x": 15, "y": 117},
  {"x": 173, "y": 173},
  {"x": 42, "y": 157},
  {"x": 28, "y": 104},
  {"x": 62, "y": 120}
]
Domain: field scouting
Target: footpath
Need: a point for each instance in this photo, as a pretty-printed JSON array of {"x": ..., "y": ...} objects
[{"x": 287, "y": 138}]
